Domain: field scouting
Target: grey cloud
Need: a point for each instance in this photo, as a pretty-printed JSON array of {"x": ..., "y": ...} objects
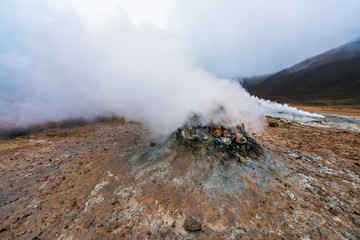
[{"x": 256, "y": 37}]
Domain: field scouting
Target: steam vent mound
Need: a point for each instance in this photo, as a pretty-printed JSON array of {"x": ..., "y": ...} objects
[
  {"x": 200, "y": 183},
  {"x": 234, "y": 142}
]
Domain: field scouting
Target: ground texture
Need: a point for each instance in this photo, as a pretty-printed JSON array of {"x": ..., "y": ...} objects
[{"x": 104, "y": 181}]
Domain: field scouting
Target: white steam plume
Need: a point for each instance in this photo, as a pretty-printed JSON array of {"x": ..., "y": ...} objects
[
  {"x": 270, "y": 108},
  {"x": 56, "y": 65}
]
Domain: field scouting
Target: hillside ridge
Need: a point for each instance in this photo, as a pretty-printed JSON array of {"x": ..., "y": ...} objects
[{"x": 331, "y": 77}]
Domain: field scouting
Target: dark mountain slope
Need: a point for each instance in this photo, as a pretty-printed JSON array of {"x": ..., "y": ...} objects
[{"x": 331, "y": 77}]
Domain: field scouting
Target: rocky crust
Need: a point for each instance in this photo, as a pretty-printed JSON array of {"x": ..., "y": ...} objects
[
  {"x": 234, "y": 141},
  {"x": 106, "y": 180}
]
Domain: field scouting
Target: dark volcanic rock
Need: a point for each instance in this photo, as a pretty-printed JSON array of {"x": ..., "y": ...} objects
[
  {"x": 232, "y": 141},
  {"x": 191, "y": 224},
  {"x": 273, "y": 124}
]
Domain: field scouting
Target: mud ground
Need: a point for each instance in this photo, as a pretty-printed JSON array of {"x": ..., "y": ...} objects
[{"x": 104, "y": 181}]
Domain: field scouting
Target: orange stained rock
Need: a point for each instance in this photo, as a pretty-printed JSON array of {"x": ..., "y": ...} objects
[{"x": 216, "y": 132}]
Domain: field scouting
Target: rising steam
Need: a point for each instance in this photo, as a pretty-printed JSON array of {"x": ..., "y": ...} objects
[{"x": 55, "y": 65}]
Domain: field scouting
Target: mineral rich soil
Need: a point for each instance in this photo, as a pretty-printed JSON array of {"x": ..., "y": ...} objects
[{"x": 104, "y": 181}]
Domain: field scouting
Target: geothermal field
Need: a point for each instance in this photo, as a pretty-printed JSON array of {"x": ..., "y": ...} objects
[
  {"x": 179, "y": 119},
  {"x": 110, "y": 180}
]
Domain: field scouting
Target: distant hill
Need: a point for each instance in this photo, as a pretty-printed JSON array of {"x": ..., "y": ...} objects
[{"x": 331, "y": 78}]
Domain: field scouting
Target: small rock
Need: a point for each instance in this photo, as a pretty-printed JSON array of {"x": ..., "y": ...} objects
[
  {"x": 189, "y": 134},
  {"x": 191, "y": 224},
  {"x": 227, "y": 133},
  {"x": 273, "y": 124},
  {"x": 194, "y": 137},
  {"x": 152, "y": 144},
  {"x": 225, "y": 141},
  {"x": 240, "y": 139},
  {"x": 216, "y": 132},
  {"x": 74, "y": 203},
  {"x": 114, "y": 201},
  {"x": 205, "y": 136},
  {"x": 206, "y": 130},
  {"x": 239, "y": 157},
  {"x": 183, "y": 133}
]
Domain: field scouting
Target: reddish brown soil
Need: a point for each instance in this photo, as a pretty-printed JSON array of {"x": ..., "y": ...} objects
[{"x": 90, "y": 182}]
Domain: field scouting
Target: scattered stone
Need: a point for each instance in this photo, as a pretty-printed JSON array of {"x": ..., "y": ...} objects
[
  {"x": 227, "y": 133},
  {"x": 192, "y": 225},
  {"x": 216, "y": 132},
  {"x": 189, "y": 134},
  {"x": 205, "y": 136},
  {"x": 240, "y": 139},
  {"x": 73, "y": 203},
  {"x": 225, "y": 141},
  {"x": 273, "y": 124},
  {"x": 152, "y": 144},
  {"x": 114, "y": 201},
  {"x": 229, "y": 140}
]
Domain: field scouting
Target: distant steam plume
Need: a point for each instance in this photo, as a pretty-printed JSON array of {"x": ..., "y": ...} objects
[{"x": 56, "y": 65}]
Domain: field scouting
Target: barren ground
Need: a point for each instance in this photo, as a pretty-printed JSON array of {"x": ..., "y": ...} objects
[
  {"x": 104, "y": 181},
  {"x": 341, "y": 110}
]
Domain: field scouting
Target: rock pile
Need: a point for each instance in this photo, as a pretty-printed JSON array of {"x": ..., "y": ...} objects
[{"x": 232, "y": 140}]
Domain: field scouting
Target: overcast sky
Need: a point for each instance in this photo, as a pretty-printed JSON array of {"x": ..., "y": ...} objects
[
  {"x": 156, "y": 61},
  {"x": 238, "y": 37}
]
